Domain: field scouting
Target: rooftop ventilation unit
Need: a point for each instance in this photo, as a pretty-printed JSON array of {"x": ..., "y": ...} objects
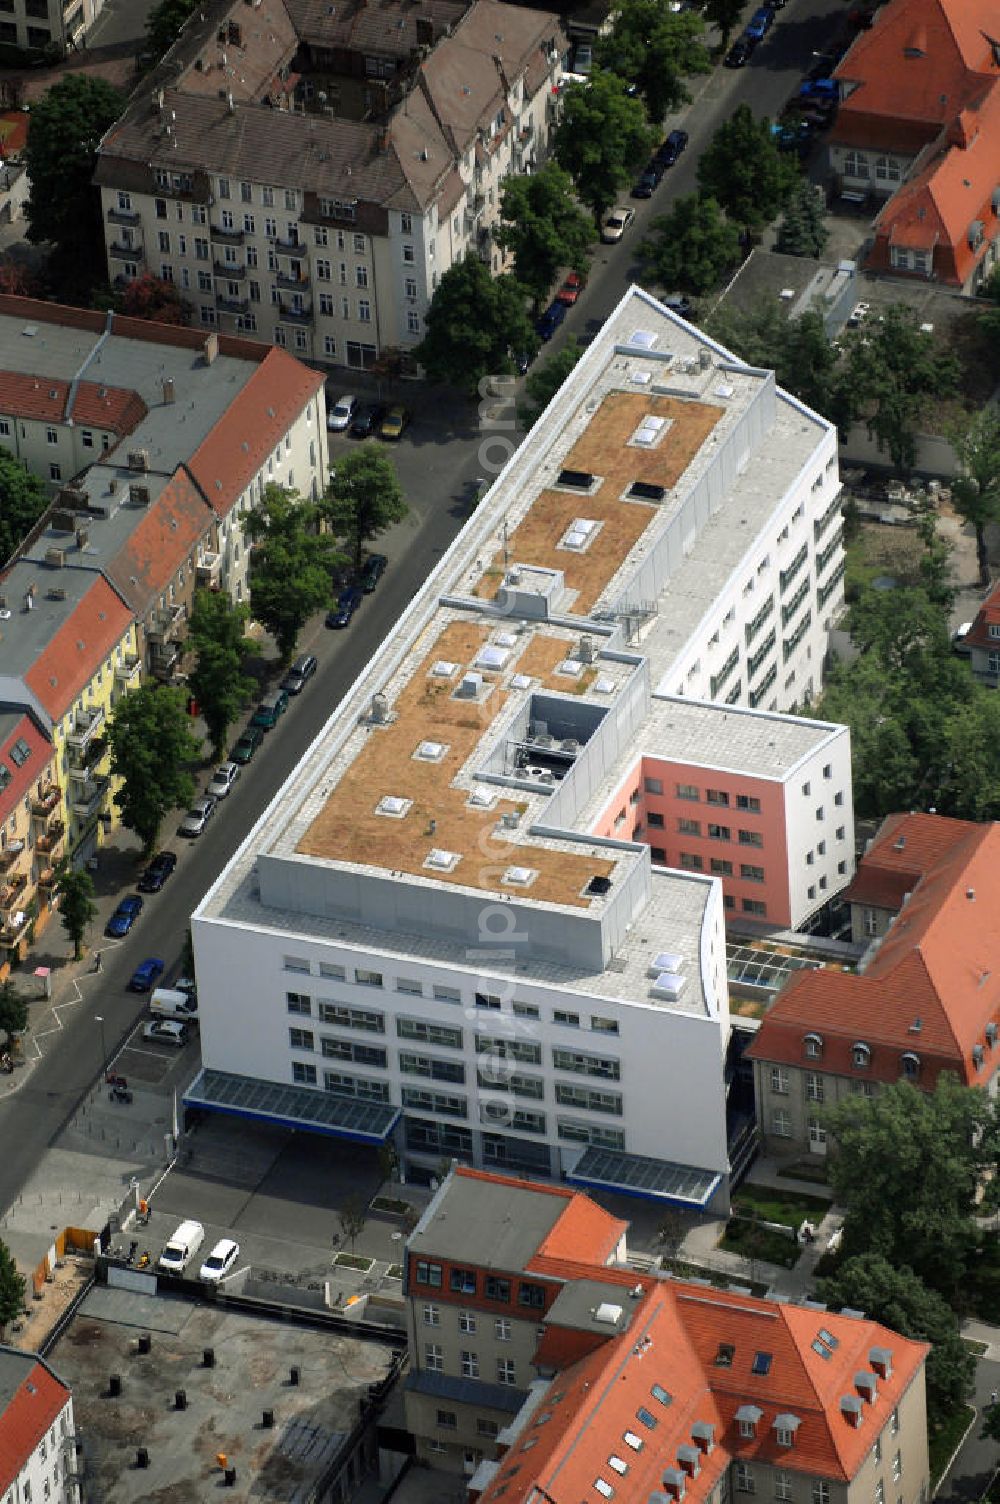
[
  {"x": 642, "y": 490},
  {"x": 649, "y": 432},
  {"x": 668, "y": 985},
  {"x": 55, "y": 558},
  {"x": 440, "y": 860},
  {"x": 492, "y": 658},
  {"x": 470, "y": 687},
  {"x": 392, "y": 804},
  {"x": 379, "y": 713},
  {"x": 138, "y": 459},
  {"x": 577, "y": 480},
  {"x": 608, "y": 1314},
  {"x": 431, "y": 751},
  {"x": 587, "y": 650},
  {"x": 443, "y": 669},
  {"x": 598, "y": 886},
  {"x": 642, "y": 339},
  {"x": 138, "y": 495},
  {"x": 520, "y": 877},
  {"x": 665, "y": 960}
]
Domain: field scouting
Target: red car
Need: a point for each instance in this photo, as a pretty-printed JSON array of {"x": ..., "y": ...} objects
[{"x": 571, "y": 289}]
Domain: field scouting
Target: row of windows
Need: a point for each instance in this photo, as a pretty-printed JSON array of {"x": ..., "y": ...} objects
[
  {"x": 427, "y": 1136},
  {"x": 745, "y": 803},
  {"x": 468, "y": 1322},
  {"x": 331, "y": 1012},
  {"x": 496, "y": 1287}
]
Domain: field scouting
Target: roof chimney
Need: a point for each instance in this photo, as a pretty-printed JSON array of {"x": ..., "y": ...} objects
[
  {"x": 210, "y": 348},
  {"x": 168, "y": 390}
]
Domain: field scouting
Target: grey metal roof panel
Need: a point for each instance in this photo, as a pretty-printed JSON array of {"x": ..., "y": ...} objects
[{"x": 446, "y": 1386}]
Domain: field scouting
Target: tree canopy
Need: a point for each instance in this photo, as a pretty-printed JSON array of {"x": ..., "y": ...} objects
[
  {"x": 13, "y": 1011},
  {"x": 545, "y": 380},
  {"x": 894, "y": 1295},
  {"x": 164, "y": 23},
  {"x": 363, "y": 498},
  {"x": 151, "y": 746},
  {"x": 217, "y": 681},
  {"x": 542, "y": 226},
  {"x": 602, "y": 138},
  {"x": 77, "y": 908},
  {"x": 745, "y": 172},
  {"x": 22, "y": 502},
  {"x": 67, "y": 124},
  {"x": 150, "y": 297},
  {"x": 12, "y": 1287},
  {"x": 474, "y": 322},
  {"x": 291, "y": 564},
  {"x": 655, "y": 48},
  {"x": 803, "y": 231},
  {"x": 893, "y": 371},
  {"x": 975, "y": 491},
  {"x": 691, "y": 246},
  {"x": 725, "y": 14},
  {"x": 908, "y": 1170}
]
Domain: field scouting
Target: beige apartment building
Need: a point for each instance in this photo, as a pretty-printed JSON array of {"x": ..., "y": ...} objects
[{"x": 47, "y": 23}]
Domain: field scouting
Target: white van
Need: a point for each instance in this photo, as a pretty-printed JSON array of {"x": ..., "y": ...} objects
[
  {"x": 181, "y": 1248},
  {"x": 166, "y": 1003}
]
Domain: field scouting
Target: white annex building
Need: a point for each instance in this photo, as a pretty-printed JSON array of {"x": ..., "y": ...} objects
[{"x": 473, "y": 920}]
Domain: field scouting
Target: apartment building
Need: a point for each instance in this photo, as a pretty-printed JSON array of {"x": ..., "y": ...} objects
[
  {"x": 541, "y": 1364},
  {"x": 440, "y": 931},
  {"x": 305, "y": 174},
  {"x": 37, "y": 1452},
  {"x": 30, "y": 842},
  {"x": 47, "y": 24},
  {"x": 924, "y": 1000},
  {"x": 164, "y": 439},
  {"x": 982, "y": 641},
  {"x": 918, "y": 129}
]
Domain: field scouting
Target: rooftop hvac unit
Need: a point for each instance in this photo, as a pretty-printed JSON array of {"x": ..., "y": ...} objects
[
  {"x": 138, "y": 459},
  {"x": 379, "y": 709},
  {"x": 55, "y": 558},
  {"x": 668, "y": 985},
  {"x": 587, "y": 650},
  {"x": 138, "y": 495}
]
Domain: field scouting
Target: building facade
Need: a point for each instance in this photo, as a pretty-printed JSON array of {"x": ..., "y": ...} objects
[
  {"x": 58, "y": 25},
  {"x": 32, "y": 833},
  {"x": 37, "y": 1450}
]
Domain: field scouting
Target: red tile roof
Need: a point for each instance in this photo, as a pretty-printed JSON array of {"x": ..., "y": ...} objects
[
  {"x": 44, "y": 399},
  {"x": 673, "y": 1342},
  {"x": 905, "y": 848},
  {"x": 36, "y": 1404},
  {"x": 235, "y": 449},
  {"x": 987, "y": 616},
  {"x": 163, "y": 540},
  {"x": 585, "y": 1230},
  {"x": 932, "y": 987},
  {"x": 76, "y": 650},
  {"x": 31, "y": 768}
]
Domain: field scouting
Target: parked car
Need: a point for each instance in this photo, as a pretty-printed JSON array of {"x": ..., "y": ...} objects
[
  {"x": 367, "y": 417},
  {"x": 668, "y": 152},
  {"x": 182, "y": 1247},
  {"x": 166, "y": 1031},
  {"x": 157, "y": 872},
  {"x": 146, "y": 974},
  {"x": 124, "y": 917},
  {"x": 197, "y": 817},
  {"x": 739, "y": 53},
  {"x": 615, "y": 223},
  {"x": 223, "y": 779},
  {"x": 219, "y": 1261},
  {"x": 826, "y": 89},
  {"x": 647, "y": 182},
  {"x": 246, "y": 745},
  {"x": 583, "y": 58},
  {"x": 347, "y": 603},
  {"x": 571, "y": 289},
  {"x": 394, "y": 422},
  {"x": 270, "y": 710},
  {"x": 341, "y": 414},
  {"x": 372, "y": 571},
  {"x": 550, "y": 320},
  {"x": 299, "y": 674},
  {"x": 759, "y": 24},
  {"x": 680, "y": 305},
  {"x": 958, "y": 642},
  {"x": 522, "y": 360}
]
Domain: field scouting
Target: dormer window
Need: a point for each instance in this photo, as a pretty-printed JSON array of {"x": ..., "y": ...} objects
[
  {"x": 747, "y": 1418},
  {"x": 703, "y": 1434},
  {"x": 910, "y": 1065},
  {"x": 689, "y": 1459},
  {"x": 861, "y": 1056},
  {"x": 880, "y": 1359},
  {"x": 813, "y": 1046},
  {"x": 785, "y": 1427},
  {"x": 866, "y": 1384},
  {"x": 850, "y": 1409}
]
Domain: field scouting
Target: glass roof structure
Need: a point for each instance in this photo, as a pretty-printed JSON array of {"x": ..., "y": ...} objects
[{"x": 299, "y": 1107}]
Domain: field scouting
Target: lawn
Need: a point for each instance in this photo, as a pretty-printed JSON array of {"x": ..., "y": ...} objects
[
  {"x": 354, "y": 1261},
  {"x": 944, "y": 1437},
  {"x": 881, "y": 550},
  {"x": 772, "y": 1205},
  {"x": 756, "y": 1242}
]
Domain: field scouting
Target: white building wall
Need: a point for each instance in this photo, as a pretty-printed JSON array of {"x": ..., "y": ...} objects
[
  {"x": 44, "y": 1474},
  {"x": 819, "y": 820}
]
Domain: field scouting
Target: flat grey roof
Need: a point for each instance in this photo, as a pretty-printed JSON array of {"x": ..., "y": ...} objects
[
  {"x": 25, "y": 635},
  {"x": 728, "y": 736},
  {"x": 491, "y": 1225},
  {"x": 578, "y": 1302},
  {"x": 14, "y": 1369}
]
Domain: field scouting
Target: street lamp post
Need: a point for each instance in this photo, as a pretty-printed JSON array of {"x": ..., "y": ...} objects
[{"x": 99, "y": 1019}]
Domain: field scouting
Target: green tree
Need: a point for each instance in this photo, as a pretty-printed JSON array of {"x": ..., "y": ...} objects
[
  {"x": 894, "y": 1295},
  {"x": 150, "y": 297},
  {"x": 164, "y": 23},
  {"x": 151, "y": 745},
  {"x": 909, "y": 1171},
  {"x": 12, "y": 1286},
  {"x": 691, "y": 246},
  {"x": 797, "y": 350},
  {"x": 991, "y": 1422},
  {"x": 975, "y": 491},
  {"x": 803, "y": 231},
  {"x": 724, "y": 14},
  {"x": 546, "y": 379},
  {"x": 745, "y": 172},
  {"x": 290, "y": 568},
  {"x": 64, "y": 207},
  {"x": 893, "y": 371},
  {"x": 601, "y": 139},
  {"x": 352, "y": 1216},
  {"x": 654, "y": 48},
  {"x": 22, "y": 502},
  {"x": 217, "y": 680},
  {"x": 77, "y": 908},
  {"x": 543, "y": 228},
  {"x": 475, "y": 320},
  {"x": 363, "y": 498},
  {"x": 13, "y": 1011}
]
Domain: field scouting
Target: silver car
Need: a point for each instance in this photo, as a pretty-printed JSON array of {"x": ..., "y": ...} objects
[
  {"x": 223, "y": 779},
  {"x": 341, "y": 414},
  {"x": 197, "y": 817}
]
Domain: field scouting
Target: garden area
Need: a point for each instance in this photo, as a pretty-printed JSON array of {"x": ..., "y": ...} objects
[{"x": 765, "y": 1221}]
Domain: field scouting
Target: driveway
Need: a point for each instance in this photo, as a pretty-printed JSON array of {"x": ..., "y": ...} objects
[{"x": 968, "y": 1478}]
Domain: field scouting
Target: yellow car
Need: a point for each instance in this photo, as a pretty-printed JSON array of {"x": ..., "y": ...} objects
[{"x": 394, "y": 422}]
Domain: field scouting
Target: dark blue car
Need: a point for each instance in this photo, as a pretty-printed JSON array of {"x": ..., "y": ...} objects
[
  {"x": 348, "y": 602},
  {"x": 759, "y": 24},
  {"x": 146, "y": 974},
  {"x": 550, "y": 320},
  {"x": 124, "y": 917}
]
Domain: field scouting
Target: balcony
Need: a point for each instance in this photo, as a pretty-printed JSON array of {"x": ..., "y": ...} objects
[
  {"x": 49, "y": 844},
  {"x": 48, "y": 879},
  {"x": 46, "y": 808},
  {"x": 10, "y": 854},
  {"x": 82, "y": 759},
  {"x": 163, "y": 660},
  {"x": 87, "y": 797},
  {"x": 12, "y": 893},
  {"x": 224, "y": 236},
  {"x": 167, "y": 625},
  {"x": 209, "y": 571},
  {"x": 128, "y": 671},
  {"x": 124, "y": 217},
  {"x": 235, "y": 273},
  {"x": 85, "y": 728},
  {"x": 293, "y": 280},
  {"x": 125, "y": 252},
  {"x": 301, "y": 314},
  {"x": 15, "y": 929},
  {"x": 293, "y": 248},
  {"x": 231, "y": 305}
]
